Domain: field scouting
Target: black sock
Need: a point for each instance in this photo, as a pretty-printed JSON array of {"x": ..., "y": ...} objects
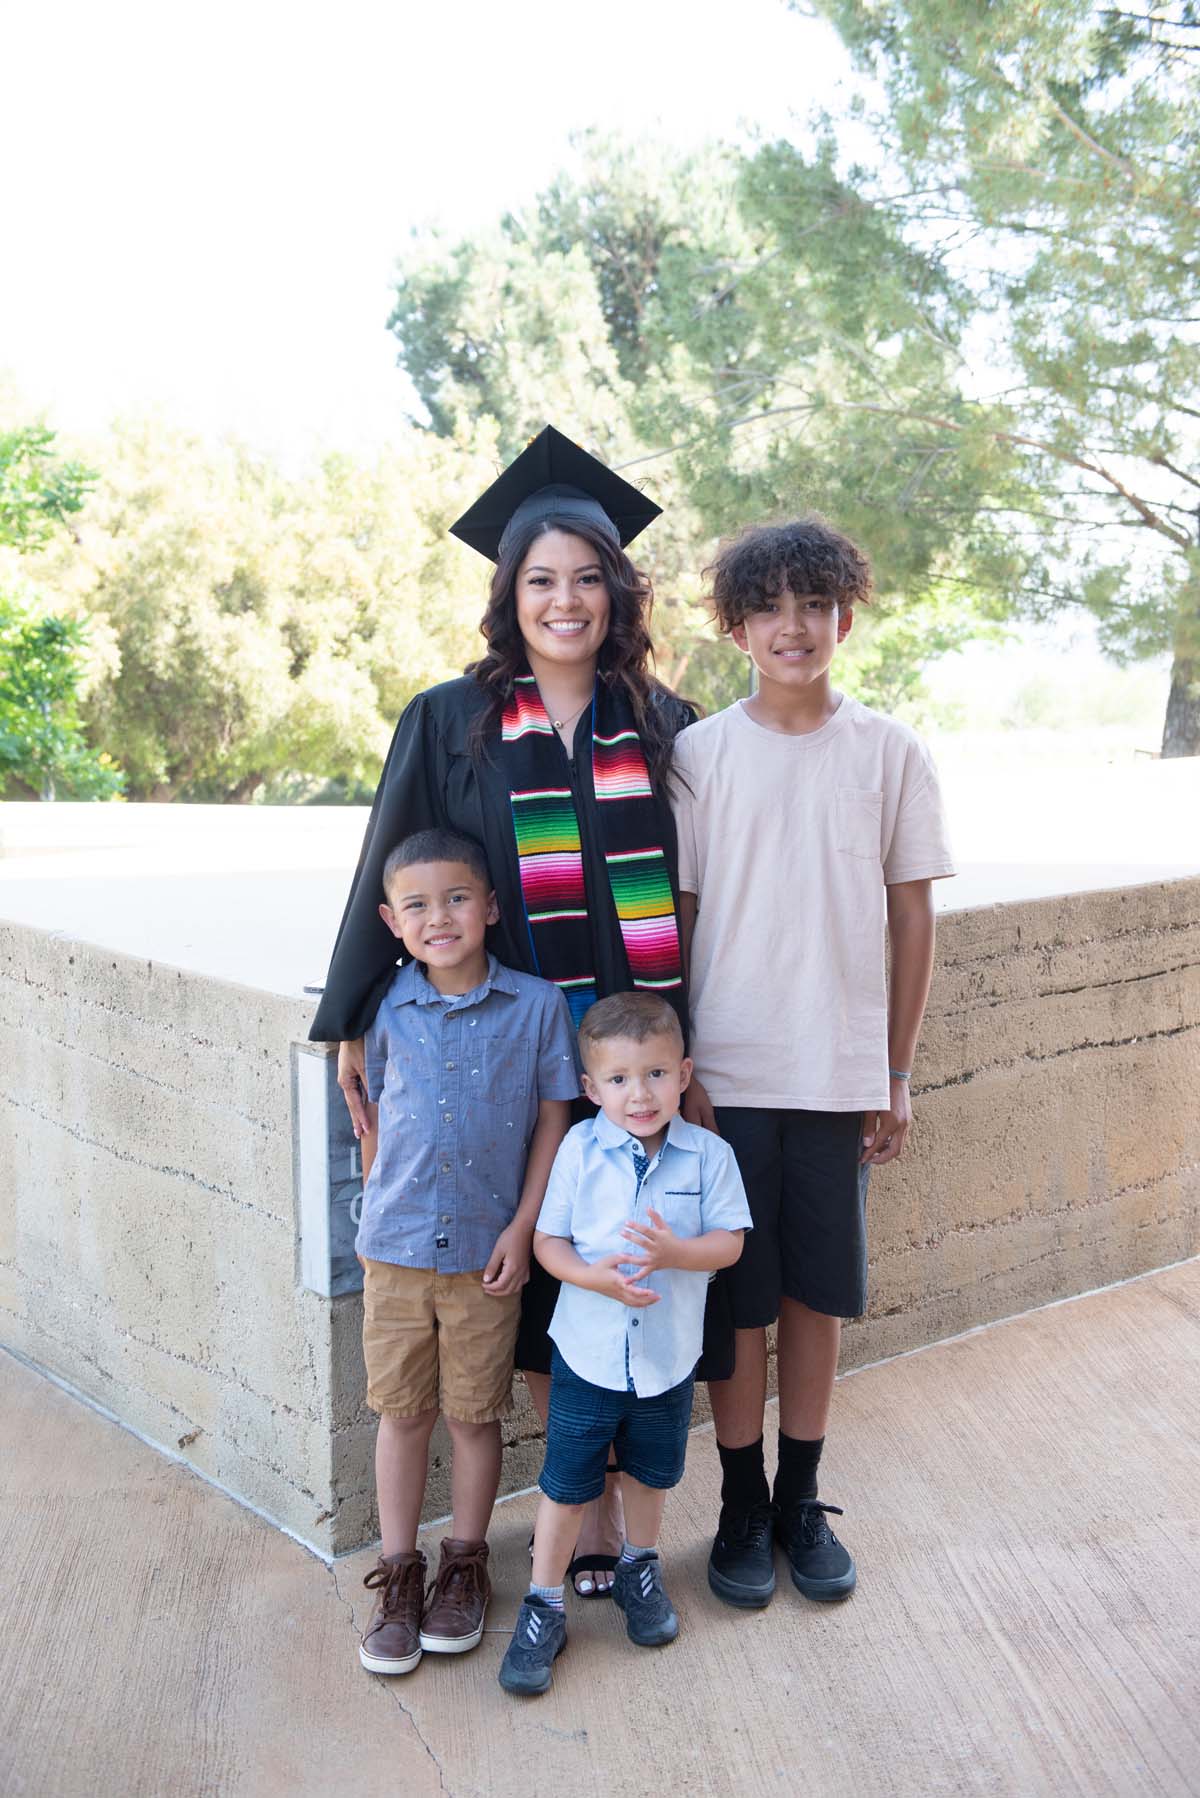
[
  {"x": 743, "y": 1476},
  {"x": 796, "y": 1476}
]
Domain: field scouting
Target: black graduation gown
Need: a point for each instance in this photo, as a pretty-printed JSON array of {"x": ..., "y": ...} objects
[{"x": 431, "y": 780}]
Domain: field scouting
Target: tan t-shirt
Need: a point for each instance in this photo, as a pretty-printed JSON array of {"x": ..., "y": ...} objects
[{"x": 788, "y": 843}]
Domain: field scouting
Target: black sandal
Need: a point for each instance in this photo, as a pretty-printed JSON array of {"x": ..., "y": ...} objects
[{"x": 587, "y": 1566}]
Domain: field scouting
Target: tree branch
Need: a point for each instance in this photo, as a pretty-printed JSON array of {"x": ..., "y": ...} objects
[
  {"x": 1145, "y": 512},
  {"x": 1091, "y": 143},
  {"x": 1148, "y": 516},
  {"x": 1180, "y": 473}
]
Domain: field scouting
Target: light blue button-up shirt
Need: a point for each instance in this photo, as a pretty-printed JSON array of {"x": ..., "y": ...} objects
[
  {"x": 458, "y": 1080},
  {"x": 694, "y": 1184}
]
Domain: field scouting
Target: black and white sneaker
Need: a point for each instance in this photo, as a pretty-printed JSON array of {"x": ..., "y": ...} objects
[
  {"x": 822, "y": 1568},
  {"x": 539, "y": 1637},
  {"x": 650, "y": 1618},
  {"x": 741, "y": 1566}
]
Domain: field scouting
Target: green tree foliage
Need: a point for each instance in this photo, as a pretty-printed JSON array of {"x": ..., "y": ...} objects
[
  {"x": 42, "y": 744},
  {"x": 39, "y": 491},
  {"x": 256, "y": 635},
  {"x": 1051, "y": 152},
  {"x": 726, "y": 330}
]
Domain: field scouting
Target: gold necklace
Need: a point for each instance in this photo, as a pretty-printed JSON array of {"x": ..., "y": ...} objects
[{"x": 562, "y": 723}]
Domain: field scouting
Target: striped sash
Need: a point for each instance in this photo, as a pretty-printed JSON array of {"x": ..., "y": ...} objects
[{"x": 550, "y": 852}]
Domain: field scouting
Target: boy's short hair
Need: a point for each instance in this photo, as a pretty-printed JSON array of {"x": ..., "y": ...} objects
[
  {"x": 804, "y": 556},
  {"x": 436, "y": 846},
  {"x": 635, "y": 1016}
]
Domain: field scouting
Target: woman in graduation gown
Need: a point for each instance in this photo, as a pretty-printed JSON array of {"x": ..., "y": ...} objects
[{"x": 553, "y": 751}]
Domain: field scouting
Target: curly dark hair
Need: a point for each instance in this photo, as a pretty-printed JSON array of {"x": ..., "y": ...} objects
[
  {"x": 625, "y": 654},
  {"x": 804, "y": 556}
]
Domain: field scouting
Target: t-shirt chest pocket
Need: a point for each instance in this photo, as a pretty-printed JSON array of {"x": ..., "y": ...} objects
[
  {"x": 498, "y": 1070},
  {"x": 678, "y": 1206},
  {"x": 859, "y": 818}
]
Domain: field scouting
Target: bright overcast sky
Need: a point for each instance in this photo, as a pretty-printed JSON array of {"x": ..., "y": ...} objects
[{"x": 203, "y": 204}]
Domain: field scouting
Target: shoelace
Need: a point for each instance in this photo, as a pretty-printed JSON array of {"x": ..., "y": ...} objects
[
  {"x": 758, "y": 1525},
  {"x": 390, "y": 1583},
  {"x": 454, "y": 1578},
  {"x": 813, "y": 1528}
]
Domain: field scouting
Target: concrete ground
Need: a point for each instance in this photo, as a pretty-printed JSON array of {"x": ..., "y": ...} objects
[{"x": 1024, "y": 1504}]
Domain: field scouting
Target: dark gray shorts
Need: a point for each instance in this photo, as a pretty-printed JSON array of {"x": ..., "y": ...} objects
[{"x": 808, "y": 1199}]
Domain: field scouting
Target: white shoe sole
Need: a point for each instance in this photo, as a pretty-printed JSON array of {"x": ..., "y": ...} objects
[
  {"x": 453, "y": 1644},
  {"x": 375, "y": 1663}
]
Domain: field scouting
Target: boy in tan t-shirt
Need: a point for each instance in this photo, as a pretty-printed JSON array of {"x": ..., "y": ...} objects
[{"x": 808, "y": 825}]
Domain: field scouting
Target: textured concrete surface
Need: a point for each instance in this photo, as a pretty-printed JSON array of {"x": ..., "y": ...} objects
[
  {"x": 148, "y": 1240},
  {"x": 1022, "y": 1503},
  {"x": 1057, "y": 1141},
  {"x": 147, "y": 1224}
]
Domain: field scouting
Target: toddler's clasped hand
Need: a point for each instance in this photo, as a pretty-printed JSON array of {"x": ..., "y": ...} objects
[
  {"x": 607, "y": 1279},
  {"x": 655, "y": 1241}
]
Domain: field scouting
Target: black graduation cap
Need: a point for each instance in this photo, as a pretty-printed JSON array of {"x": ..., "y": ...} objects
[{"x": 554, "y": 478}]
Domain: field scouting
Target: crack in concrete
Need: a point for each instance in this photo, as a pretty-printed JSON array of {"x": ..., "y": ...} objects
[
  {"x": 1115, "y": 1042},
  {"x": 1093, "y": 1202},
  {"x": 389, "y": 1685},
  {"x": 173, "y": 1173},
  {"x": 992, "y": 1001},
  {"x": 185, "y": 1092},
  {"x": 228, "y": 1377},
  {"x": 1026, "y": 946}
]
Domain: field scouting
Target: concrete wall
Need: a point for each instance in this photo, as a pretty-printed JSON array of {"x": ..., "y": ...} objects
[
  {"x": 147, "y": 1231},
  {"x": 148, "y": 1242}
]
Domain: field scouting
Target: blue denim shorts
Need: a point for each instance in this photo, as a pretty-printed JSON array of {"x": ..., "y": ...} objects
[{"x": 649, "y": 1434}]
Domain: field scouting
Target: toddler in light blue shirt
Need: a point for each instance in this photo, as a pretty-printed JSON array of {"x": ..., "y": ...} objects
[{"x": 640, "y": 1209}]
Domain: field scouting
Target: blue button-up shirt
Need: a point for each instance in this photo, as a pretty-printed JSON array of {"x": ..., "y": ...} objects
[
  {"x": 694, "y": 1184},
  {"x": 458, "y": 1080}
]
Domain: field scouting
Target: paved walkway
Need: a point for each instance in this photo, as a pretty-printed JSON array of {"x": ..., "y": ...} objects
[{"x": 1023, "y": 1503}]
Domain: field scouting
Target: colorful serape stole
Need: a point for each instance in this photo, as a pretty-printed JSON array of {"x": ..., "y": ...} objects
[{"x": 550, "y": 852}]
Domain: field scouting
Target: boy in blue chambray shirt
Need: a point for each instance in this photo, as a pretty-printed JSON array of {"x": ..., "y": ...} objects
[
  {"x": 640, "y": 1210},
  {"x": 473, "y": 1069}
]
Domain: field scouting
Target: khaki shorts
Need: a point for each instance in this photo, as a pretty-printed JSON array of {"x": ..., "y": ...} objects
[{"x": 437, "y": 1342}]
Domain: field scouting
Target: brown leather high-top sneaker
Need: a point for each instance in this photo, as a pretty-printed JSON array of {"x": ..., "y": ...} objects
[
  {"x": 392, "y": 1641},
  {"x": 458, "y": 1599}
]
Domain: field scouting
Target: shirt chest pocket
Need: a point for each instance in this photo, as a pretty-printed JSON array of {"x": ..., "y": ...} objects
[
  {"x": 499, "y": 1071},
  {"x": 859, "y": 818},
  {"x": 680, "y": 1208}
]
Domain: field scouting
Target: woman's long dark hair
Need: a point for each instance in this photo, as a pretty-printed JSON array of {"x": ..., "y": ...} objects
[{"x": 625, "y": 655}]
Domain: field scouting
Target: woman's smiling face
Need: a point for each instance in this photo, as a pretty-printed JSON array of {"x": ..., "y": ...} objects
[{"x": 562, "y": 602}]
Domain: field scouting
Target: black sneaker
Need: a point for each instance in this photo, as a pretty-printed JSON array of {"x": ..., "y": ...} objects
[
  {"x": 821, "y": 1567},
  {"x": 650, "y": 1618},
  {"x": 741, "y": 1567},
  {"x": 539, "y": 1637}
]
